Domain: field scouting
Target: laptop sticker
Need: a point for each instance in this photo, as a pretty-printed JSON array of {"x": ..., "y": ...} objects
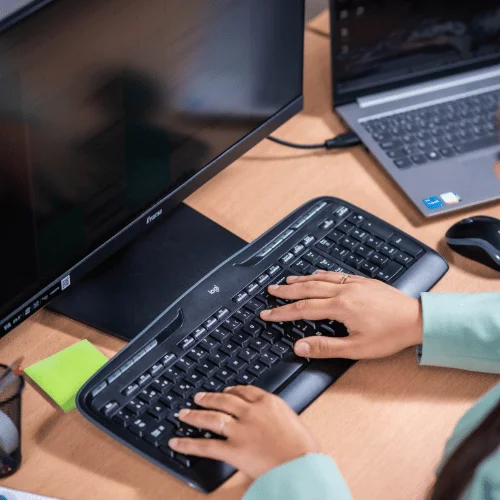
[
  {"x": 451, "y": 198},
  {"x": 433, "y": 202}
]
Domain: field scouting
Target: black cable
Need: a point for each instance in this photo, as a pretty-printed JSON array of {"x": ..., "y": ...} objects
[{"x": 346, "y": 140}]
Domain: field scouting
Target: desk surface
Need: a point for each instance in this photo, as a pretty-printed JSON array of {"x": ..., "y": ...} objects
[{"x": 384, "y": 422}]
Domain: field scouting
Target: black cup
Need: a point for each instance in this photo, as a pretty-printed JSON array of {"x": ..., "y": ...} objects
[{"x": 10, "y": 425}]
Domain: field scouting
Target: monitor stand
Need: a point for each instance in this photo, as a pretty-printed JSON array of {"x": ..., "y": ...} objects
[{"x": 130, "y": 289}]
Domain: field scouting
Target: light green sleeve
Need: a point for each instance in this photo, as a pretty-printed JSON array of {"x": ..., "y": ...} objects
[
  {"x": 312, "y": 477},
  {"x": 461, "y": 331}
]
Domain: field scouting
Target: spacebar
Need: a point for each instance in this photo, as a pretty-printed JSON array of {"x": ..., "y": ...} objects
[{"x": 281, "y": 373}]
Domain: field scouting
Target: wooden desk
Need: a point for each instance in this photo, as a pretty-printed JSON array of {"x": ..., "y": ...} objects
[{"x": 384, "y": 422}]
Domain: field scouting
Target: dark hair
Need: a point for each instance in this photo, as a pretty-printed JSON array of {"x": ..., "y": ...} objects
[{"x": 458, "y": 471}]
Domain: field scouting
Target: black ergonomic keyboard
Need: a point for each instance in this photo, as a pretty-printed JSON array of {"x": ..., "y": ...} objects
[
  {"x": 212, "y": 336},
  {"x": 439, "y": 131}
]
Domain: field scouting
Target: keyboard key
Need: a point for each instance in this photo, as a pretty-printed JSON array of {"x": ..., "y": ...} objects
[
  {"x": 248, "y": 355},
  {"x": 232, "y": 324},
  {"x": 207, "y": 368},
  {"x": 406, "y": 245},
  {"x": 186, "y": 343},
  {"x": 298, "y": 249},
  {"x": 325, "y": 244},
  {"x": 354, "y": 261},
  {"x": 162, "y": 385},
  {"x": 377, "y": 230},
  {"x": 251, "y": 288},
  {"x": 218, "y": 359},
  {"x": 349, "y": 243},
  {"x": 253, "y": 329},
  {"x": 260, "y": 345},
  {"x": 167, "y": 360},
  {"x": 230, "y": 349},
  {"x": 138, "y": 426},
  {"x": 274, "y": 270},
  {"x": 327, "y": 224},
  {"x": 389, "y": 272},
  {"x": 364, "y": 251},
  {"x": 226, "y": 376},
  {"x": 403, "y": 162},
  {"x": 341, "y": 212},
  {"x": 257, "y": 368},
  {"x": 209, "y": 344},
  {"x": 186, "y": 365},
  {"x": 345, "y": 227},
  {"x": 254, "y": 306},
  {"x": 356, "y": 219},
  {"x": 183, "y": 389},
  {"x": 269, "y": 359},
  {"x": 156, "y": 369},
  {"x": 222, "y": 313},
  {"x": 220, "y": 334},
  {"x": 280, "y": 349},
  {"x": 158, "y": 434},
  {"x": 237, "y": 365},
  {"x": 263, "y": 279},
  {"x": 158, "y": 411},
  {"x": 243, "y": 316},
  {"x": 196, "y": 378},
  {"x": 433, "y": 155},
  {"x": 311, "y": 257},
  {"x": 184, "y": 460},
  {"x": 419, "y": 159},
  {"x": 198, "y": 354},
  {"x": 124, "y": 418},
  {"x": 287, "y": 258},
  {"x": 388, "y": 251},
  {"x": 378, "y": 259},
  {"x": 374, "y": 243},
  {"x": 170, "y": 400},
  {"x": 301, "y": 266},
  {"x": 137, "y": 407},
  {"x": 110, "y": 409},
  {"x": 173, "y": 373},
  {"x": 338, "y": 253},
  {"x": 240, "y": 297},
  {"x": 359, "y": 235},
  {"x": 404, "y": 259},
  {"x": 213, "y": 385},
  {"x": 325, "y": 264},
  {"x": 144, "y": 379},
  {"x": 369, "y": 269},
  {"x": 245, "y": 379},
  {"x": 303, "y": 328},
  {"x": 210, "y": 323},
  {"x": 272, "y": 336},
  {"x": 149, "y": 396},
  {"x": 131, "y": 390}
]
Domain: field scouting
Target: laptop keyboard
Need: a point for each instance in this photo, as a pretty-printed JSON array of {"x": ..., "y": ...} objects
[
  {"x": 210, "y": 346},
  {"x": 437, "y": 132}
]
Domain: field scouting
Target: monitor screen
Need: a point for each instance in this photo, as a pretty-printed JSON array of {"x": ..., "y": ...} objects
[
  {"x": 385, "y": 42},
  {"x": 107, "y": 106}
]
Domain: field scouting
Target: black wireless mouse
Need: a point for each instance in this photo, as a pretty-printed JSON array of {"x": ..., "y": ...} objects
[{"x": 477, "y": 238}]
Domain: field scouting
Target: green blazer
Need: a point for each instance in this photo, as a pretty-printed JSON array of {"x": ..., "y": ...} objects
[{"x": 460, "y": 331}]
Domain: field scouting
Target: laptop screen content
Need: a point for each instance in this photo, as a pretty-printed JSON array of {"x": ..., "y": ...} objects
[{"x": 382, "y": 44}]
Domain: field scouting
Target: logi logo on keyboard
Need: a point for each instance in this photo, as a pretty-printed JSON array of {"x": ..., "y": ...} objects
[{"x": 213, "y": 290}]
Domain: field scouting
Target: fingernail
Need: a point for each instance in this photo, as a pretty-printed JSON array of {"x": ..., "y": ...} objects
[
  {"x": 302, "y": 348},
  {"x": 273, "y": 287},
  {"x": 227, "y": 389},
  {"x": 200, "y": 396},
  {"x": 184, "y": 413},
  {"x": 291, "y": 279},
  {"x": 173, "y": 442},
  {"x": 266, "y": 313}
]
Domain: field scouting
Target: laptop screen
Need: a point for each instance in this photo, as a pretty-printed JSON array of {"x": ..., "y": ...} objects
[{"x": 382, "y": 44}]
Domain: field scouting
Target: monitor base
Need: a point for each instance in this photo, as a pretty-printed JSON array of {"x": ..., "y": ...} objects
[{"x": 130, "y": 289}]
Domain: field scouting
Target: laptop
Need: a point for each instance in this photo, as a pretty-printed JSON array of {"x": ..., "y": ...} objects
[{"x": 419, "y": 82}]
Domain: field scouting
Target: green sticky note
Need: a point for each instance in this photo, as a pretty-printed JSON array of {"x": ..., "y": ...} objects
[{"x": 62, "y": 375}]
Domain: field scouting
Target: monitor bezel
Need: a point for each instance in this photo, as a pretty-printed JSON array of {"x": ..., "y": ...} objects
[{"x": 340, "y": 98}]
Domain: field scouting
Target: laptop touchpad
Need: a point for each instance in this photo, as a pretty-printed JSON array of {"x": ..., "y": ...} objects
[{"x": 484, "y": 161}]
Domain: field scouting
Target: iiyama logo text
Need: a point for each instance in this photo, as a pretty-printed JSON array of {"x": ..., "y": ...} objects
[
  {"x": 151, "y": 218},
  {"x": 215, "y": 289}
]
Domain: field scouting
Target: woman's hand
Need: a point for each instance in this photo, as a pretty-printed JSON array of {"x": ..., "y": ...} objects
[
  {"x": 381, "y": 320},
  {"x": 262, "y": 431}
]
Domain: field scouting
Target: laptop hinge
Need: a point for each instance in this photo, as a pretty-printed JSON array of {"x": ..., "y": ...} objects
[{"x": 426, "y": 88}]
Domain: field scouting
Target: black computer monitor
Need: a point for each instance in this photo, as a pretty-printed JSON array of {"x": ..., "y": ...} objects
[{"x": 114, "y": 111}]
